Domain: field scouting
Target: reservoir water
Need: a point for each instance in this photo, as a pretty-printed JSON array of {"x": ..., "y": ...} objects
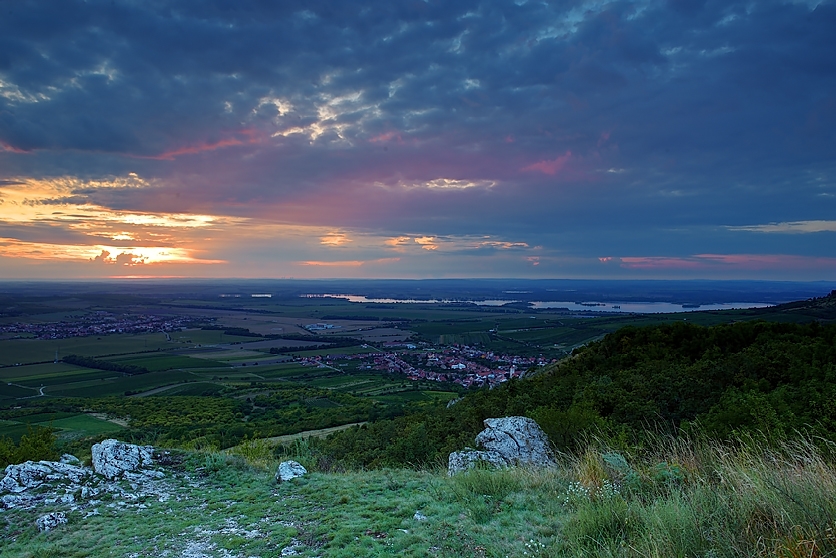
[{"x": 577, "y": 306}]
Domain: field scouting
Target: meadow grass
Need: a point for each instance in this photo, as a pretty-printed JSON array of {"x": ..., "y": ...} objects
[{"x": 676, "y": 497}]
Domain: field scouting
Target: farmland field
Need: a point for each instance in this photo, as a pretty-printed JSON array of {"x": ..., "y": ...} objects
[{"x": 208, "y": 356}]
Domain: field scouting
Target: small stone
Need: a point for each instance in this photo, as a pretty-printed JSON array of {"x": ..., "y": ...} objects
[
  {"x": 50, "y": 521},
  {"x": 290, "y": 470},
  {"x": 70, "y": 459},
  {"x": 419, "y": 516}
]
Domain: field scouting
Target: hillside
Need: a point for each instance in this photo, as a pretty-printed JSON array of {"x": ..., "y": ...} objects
[
  {"x": 754, "y": 376},
  {"x": 682, "y": 498},
  {"x": 673, "y": 440}
]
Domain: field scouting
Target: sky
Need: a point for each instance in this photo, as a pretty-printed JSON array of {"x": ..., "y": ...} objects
[{"x": 685, "y": 139}]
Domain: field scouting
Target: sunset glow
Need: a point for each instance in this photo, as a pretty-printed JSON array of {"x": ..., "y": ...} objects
[{"x": 476, "y": 139}]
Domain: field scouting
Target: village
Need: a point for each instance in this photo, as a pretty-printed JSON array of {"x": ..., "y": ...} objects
[
  {"x": 94, "y": 323},
  {"x": 460, "y": 364}
]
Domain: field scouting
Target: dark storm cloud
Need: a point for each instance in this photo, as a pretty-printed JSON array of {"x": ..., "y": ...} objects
[{"x": 682, "y": 114}]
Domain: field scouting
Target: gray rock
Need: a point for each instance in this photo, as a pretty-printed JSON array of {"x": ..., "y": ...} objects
[
  {"x": 112, "y": 458},
  {"x": 519, "y": 440},
  {"x": 50, "y": 521},
  {"x": 419, "y": 516},
  {"x": 31, "y": 475},
  {"x": 289, "y": 470},
  {"x": 70, "y": 459},
  {"x": 9, "y": 501},
  {"x": 469, "y": 458},
  {"x": 507, "y": 441}
]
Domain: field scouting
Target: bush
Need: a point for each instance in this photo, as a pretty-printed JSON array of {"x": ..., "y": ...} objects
[{"x": 36, "y": 445}]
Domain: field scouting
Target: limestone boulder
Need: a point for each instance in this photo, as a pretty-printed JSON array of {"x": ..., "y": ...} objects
[
  {"x": 518, "y": 440},
  {"x": 469, "y": 458},
  {"x": 289, "y": 470},
  {"x": 113, "y": 459},
  {"x": 32, "y": 474},
  {"x": 507, "y": 441}
]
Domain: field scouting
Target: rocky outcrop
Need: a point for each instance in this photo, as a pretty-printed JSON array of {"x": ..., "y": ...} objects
[
  {"x": 33, "y": 474},
  {"x": 79, "y": 490},
  {"x": 112, "y": 458},
  {"x": 289, "y": 470},
  {"x": 507, "y": 441},
  {"x": 519, "y": 440}
]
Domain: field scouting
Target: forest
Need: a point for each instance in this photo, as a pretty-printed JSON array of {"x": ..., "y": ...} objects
[{"x": 720, "y": 381}]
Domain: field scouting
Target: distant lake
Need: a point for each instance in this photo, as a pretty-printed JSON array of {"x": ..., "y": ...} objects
[{"x": 582, "y": 306}]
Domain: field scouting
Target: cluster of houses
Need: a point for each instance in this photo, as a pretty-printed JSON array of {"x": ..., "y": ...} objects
[
  {"x": 96, "y": 323},
  {"x": 459, "y": 364}
]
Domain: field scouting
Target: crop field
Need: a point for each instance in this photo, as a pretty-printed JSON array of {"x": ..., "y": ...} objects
[
  {"x": 337, "y": 351},
  {"x": 81, "y": 375},
  {"x": 83, "y": 424},
  {"x": 217, "y": 375},
  {"x": 11, "y": 392},
  {"x": 13, "y": 351},
  {"x": 18, "y": 373},
  {"x": 118, "y": 385},
  {"x": 206, "y": 337},
  {"x": 167, "y": 362}
]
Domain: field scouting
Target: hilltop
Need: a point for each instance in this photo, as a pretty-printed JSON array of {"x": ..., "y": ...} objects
[{"x": 673, "y": 439}]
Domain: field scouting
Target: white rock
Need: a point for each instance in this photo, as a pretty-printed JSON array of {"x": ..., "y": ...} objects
[
  {"x": 507, "y": 441},
  {"x": 31, "y": 475},
  {"x": 70, "y": 459},
  {"x": 467, "y": 459},
  {"x": 113, "y": 458},
  {"x": 50, "y": 521},
  {"x": 419, "y": 516},
  {"x": 519, "y": 440},
  {"x": 9, "y": 501},
  {"x": 290, "y": 470}
]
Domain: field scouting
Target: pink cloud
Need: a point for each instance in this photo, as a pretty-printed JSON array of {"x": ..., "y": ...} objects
[
  {"x": 739, "y": 261},
  {"x": 386, "y": 137},
  {"x": 654, "y": 262},
  {"x": 551, "y": 167},
  {"x": 11, "y": 148},
  {"x": 242, "y": 137}
]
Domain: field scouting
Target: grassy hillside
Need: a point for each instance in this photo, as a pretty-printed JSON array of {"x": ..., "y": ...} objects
[
  {"x": 773, "y": 378},
  {"x": 682, "y": 498}
]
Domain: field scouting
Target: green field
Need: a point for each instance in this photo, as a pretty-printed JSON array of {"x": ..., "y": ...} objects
[
  {"x": 84, "y": 424},
  {"x": 159, "y": 363},
  {"x": 24, "y": 351}
]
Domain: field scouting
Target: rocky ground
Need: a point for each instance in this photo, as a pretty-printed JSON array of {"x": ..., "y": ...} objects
[{"x": 135, "y": 501}]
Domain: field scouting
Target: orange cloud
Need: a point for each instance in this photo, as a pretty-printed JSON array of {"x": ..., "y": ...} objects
[
  {"x": 335, "y": 239},
  {"x": 347, "y": 263},
  {"x": 129, "y": 256},
  {"x": 427, "y": 242}
]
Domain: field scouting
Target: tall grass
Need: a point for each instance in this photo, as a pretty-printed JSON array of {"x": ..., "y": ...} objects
[
  {"x": 695, "y": 497},
  {"x": 677, "y": 497}
]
